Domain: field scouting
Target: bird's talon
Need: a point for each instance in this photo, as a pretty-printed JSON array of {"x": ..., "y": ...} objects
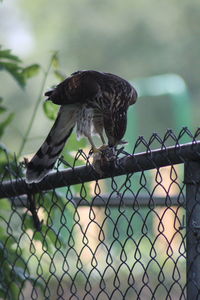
[
  {"x": 94, "y": 150},
  {"x": 103, "y": 147},
  {"x": 99, "y": 150}
]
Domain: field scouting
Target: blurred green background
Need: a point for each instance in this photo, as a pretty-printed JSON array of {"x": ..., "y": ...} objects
[
  {"x": 142, "y": 41},
  {"x": 134, "y": 39}
]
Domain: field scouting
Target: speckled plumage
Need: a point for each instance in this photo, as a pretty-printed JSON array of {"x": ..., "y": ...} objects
[{"x": 93, "y": 101}]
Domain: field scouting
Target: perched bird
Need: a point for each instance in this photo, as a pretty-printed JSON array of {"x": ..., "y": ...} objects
[{"x": 92, "y": 101}]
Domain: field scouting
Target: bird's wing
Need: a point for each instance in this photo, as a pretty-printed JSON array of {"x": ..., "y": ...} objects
[{"x": 79, "y": 87}]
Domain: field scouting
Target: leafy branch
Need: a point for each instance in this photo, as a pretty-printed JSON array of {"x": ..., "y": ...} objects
[
  {"x": 8, "y": 257},
  {"x": 52, "y": 62},
  {"x": 13, "y": 65}
]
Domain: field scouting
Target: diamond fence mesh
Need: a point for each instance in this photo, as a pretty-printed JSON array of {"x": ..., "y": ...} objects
[{"x": 118, "y": 234}]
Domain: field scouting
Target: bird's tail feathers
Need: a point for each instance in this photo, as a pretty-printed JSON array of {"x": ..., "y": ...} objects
[{"x": 45, "y": 158}]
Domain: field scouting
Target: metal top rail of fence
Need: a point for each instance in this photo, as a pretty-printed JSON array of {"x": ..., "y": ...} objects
[
  {"x": 128, "y": 232},
  {"x": 129, "y": 163}
]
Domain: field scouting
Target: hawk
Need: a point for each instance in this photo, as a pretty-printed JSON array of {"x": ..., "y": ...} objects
[{"x": 94, "y": 102}]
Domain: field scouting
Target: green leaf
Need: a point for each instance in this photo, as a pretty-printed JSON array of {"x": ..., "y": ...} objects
[
  {"x": 31, "y": 71},
  {"x": 38, "y": 236},
  {"x": 2, "y": 108},
  {"x": 52, "y": 236},
  {"x": 14, "y": 70},
  {"x": 2, "y": 233},
  {"x": 5, "y": 204},
  {"x": 6, "y": 54},
  {"x": 5, "y": 123},
  {"x": 14, "y": 290},
  {"x": 3, "y": 148},
  {"x": 10, "y": 63},
  {"x": 2, "y": 290},
  {"x": 9, "y": 242},
  {"x": 50, "y": 109},
  {"x": 28, "y": 222}
]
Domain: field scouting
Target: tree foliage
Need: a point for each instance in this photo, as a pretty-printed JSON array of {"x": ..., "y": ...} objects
[
  {"x": 9, "y": 257},
  {"x": 133, "y": 39},
  {"x": 13, "y": 65}
]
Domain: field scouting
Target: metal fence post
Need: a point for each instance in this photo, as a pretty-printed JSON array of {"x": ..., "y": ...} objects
[{"x": 192, "y": 180}]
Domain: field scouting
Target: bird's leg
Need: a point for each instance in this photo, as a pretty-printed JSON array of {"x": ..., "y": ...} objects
[
  {"x": 102, "y": 138},
  {"x": 94, "y": 148},
  {"x": 104, "y": 146}
]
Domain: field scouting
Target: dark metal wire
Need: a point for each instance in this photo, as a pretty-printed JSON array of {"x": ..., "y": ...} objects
[
  {"x": 129, "y": 164},
  {"x": 117, "y": 234}
]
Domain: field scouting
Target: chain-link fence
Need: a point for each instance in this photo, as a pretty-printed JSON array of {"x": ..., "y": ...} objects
[{"x": 119, "y": 232}]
